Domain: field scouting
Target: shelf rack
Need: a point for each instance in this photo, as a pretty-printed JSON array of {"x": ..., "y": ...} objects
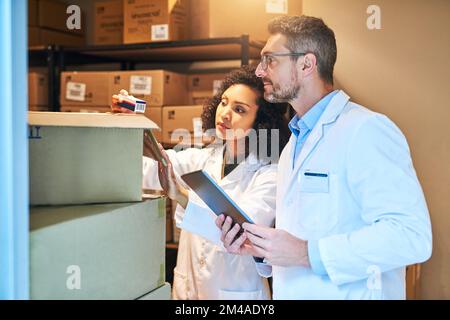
[{"x": 57, "y": 58}]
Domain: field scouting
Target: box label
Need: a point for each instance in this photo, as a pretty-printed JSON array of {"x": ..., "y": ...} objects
[
  {"x": 33, "y": 132},
  {"x": 141, "y": 85},
  {"x": 75, "y": 91},
  {"x": 160, "y": 32},
  {"x": 277, "y": 6}
]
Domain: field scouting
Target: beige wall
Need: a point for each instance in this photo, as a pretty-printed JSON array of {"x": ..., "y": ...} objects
[{"x": 403, "y": 71}]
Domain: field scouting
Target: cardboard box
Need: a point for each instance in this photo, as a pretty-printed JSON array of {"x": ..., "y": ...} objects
[
  {"x": 178, "y": 122},
  {"x": 108, "y": 22},
  {"x": 162, "y": 293},
  {"x": 86, "y": 88},
  {"x": 171, "y": 118},
  {"x": 37, "y": 89},
  {"x": 211, "y": 18},
  {"x": 43, "y": 37},
  {"x": 154, "y": 20},
  {"x": 203, "y": 86},
  {"x": 52, "y": 15},
  {"x": 108, "y": 251},
  {"x": 156, "y": 87},
  {"x": 155, "y": 114},
  {"x": 80, "y": 158}
]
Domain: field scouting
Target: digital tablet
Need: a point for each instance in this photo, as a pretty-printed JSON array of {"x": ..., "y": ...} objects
[
  {"x": 216, "y": 199},
  {"x": 214, "y": 196}
]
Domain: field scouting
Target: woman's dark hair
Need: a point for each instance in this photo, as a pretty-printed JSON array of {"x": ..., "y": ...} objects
[{"x": 269, "y": 115}]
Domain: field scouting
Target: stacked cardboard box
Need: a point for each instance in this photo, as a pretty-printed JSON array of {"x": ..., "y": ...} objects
[
  {"x": 37, "y": 91},
  {"x": 108, "y": 22},
  {"x": 94, "y": 89},
  {"x": 233, "y": 18},
  {"x": 179, "y": 124},
  {"x": 203, "y": 86},
  {"x": 154, "y": 20},
  {"x": 140, "y": 21},
  {"x": 91, "y": 236},
  {"x": 151, "y": 194},
  {"x": 102, "y": 251},
  {"x": 47, "y": 24},
  {"x": 165, "y": 92},
  {"x": 156, "y": 87},
  {"x": 86, "y": 89}
]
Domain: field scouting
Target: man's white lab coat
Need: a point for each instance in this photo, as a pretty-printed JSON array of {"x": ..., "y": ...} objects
[{"x": 353, "y": 189}]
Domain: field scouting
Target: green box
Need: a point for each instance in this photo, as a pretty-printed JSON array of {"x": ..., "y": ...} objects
[
  {"x": 82, "y": 158},
  {"x": 108, "y": 251},
  {"x": 161, "y": 293}
]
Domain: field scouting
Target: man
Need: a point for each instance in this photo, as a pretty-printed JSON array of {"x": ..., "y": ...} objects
[{"x": 350, "y": 211}]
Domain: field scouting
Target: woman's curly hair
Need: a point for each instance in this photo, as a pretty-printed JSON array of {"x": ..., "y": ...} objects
[{"x": 269, "y": 115}]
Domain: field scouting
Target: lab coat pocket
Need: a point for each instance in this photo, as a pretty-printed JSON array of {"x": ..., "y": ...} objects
[
  {"x": 317, "y": 201},
  {"x": 241, "y": 295},
  {"x": 314, "y": 181},
  {"x": 181, "y": 288}
]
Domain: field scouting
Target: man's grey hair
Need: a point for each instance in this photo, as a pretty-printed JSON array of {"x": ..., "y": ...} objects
[{"x": 309, "y": 34}]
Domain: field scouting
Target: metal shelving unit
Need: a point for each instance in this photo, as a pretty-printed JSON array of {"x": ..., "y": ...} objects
[
  {"x": 171, "y": 51},
  {"x": 57, "y": 58},
  {"x": 47, "y": 56}
]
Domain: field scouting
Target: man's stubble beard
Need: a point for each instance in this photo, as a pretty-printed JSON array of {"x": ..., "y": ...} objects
[{"x": 288, "y": 94}]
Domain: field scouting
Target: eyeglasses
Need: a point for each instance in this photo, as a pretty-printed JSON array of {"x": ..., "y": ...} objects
[{"x": 268, "y": 58}]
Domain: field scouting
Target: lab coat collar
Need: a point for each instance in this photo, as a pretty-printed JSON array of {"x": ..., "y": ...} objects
[
  {"x": 250, "y": 164},
  {"x": 329, "y": 116}
]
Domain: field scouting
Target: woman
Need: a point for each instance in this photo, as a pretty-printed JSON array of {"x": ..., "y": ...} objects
[{"x": 204, "y": 269}]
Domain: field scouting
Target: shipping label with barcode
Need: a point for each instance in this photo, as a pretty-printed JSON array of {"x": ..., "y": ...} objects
[
  {"x": 141, "y": 85},
  {"x": 139, "y": 106},
  {"x": 277, "y": 6},
  {"x": 75, "y": 91},
  {"x": 160, "y": 32}
]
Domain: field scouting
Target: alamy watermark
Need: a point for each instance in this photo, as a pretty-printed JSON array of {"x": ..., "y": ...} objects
[
  {"x": 73, "y": 281},
  {"x": 374, "y": 19},
  {"x": 256, "y": 142},
  {"x": 73, "y": 22}
]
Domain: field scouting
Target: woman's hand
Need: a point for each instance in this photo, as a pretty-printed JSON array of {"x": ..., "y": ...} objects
[
  {"x": 169, "y": 182},
  {"x": 117, "y": 99},
  {"x": 115, "y": 108},
  {"x": 148, "y": 147}
]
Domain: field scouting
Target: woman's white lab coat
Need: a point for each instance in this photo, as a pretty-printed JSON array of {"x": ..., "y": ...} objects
[{"x": 204, "y": 269}]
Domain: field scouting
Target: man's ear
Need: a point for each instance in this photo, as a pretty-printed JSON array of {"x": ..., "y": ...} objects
[
  {"x": 309, "y": 61},
  {"x": 306, "y": 64}
]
